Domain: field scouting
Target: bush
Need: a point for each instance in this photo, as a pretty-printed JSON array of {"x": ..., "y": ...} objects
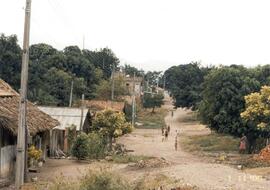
[
  {"x": 80, "y": 147},
  {"x": 103, "y": 180},
  {"x": 90, "y": 146},
  {"x": 96, "y": 146}
]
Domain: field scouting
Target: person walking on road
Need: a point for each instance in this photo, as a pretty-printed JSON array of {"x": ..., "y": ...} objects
[
  {"x": 169, "y": 128},
  {"x": 175, "y": 143},
  {"x": 166, "y": 134}
]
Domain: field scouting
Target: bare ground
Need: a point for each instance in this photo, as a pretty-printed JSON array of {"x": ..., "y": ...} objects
[{"x": 190, "y": 169}]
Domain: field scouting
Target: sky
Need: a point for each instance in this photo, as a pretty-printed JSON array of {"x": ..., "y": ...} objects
[{"x": 150, "y": 34}]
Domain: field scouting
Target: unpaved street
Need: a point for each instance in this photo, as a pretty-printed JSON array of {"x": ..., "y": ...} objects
[{"x": 190, "y": 169}]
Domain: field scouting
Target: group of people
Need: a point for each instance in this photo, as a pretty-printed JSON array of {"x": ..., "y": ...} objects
[{"x": 165, "y": 132}]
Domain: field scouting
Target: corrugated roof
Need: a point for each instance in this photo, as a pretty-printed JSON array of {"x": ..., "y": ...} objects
[{"x": 66, "y": 116}]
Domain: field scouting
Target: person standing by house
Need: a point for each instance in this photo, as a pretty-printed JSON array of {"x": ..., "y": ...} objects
[{"x": 243, "y": 144}]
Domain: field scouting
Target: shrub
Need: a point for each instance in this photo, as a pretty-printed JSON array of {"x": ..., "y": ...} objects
[
  {"x": 96, "y": 146},
  {"x": 90, "y": 146},
  {"x": 80, "y": 147},
  {"x": 104, "y": 180}
]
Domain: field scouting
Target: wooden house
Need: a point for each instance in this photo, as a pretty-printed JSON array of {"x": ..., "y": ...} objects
[
  {"x": 39, "y": 125},
  {"x": 78, "y": 118}
]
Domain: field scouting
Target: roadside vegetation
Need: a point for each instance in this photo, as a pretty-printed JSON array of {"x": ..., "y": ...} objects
[
  {"x": 149, "y": 120},
  {"x": 227, "y": 98},
  {"x": 106, "y": 179},
  {"x": 211, "y": 143},
  {"x": 128, "y": 158}
]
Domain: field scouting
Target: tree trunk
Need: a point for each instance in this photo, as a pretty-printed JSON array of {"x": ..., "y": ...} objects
[{"x": 110, "y": 143}]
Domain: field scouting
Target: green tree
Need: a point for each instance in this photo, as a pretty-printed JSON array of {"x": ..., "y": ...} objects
[
  {"x": 184, "y": 84},
  {"x": 80, "y": 147},
  {"x": 223, "y": 99},
  {"x": 130, "y": 70},
  {"x": 111, "y": 124},
  {"x": 10, "y": 60},
  {"x": 257, "y": 110},
  {"x": 104, "y": 89},
  {"x": 152, "y": 101}
]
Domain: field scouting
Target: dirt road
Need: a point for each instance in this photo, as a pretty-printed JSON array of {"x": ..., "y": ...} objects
[{"x": 190, "y": 169}]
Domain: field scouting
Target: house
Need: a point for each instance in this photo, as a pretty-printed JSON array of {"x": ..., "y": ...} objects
[
  {"x": 134, "y": 85},
  {"x": 39, "y": 125},
  {"x": 67, "y": 117}
]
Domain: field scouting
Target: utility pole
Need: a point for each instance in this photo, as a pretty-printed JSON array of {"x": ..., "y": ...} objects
[
  {"x": 22, "y": 127},
  {"x": 157, "y": 83},
  {"x": 71, "y": 94},
  {"x": 133, "y": 102},
  {"x": 112, "y": 98},
  {"x": 82, "y": 107},
  {"x": 164, "y": 82},
  {"x": 83, "y": 41}
]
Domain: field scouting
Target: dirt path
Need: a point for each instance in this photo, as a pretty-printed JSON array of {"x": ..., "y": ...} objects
[{"x": 190, "y": 169}]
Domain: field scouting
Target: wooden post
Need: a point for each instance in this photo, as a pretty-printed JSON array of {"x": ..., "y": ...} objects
[
  {"x": 1, "y": 137},
  {"x": 82, "y": 107},
  {"x": 66, "y": 140},
  {"x": 21, "y": 144}
]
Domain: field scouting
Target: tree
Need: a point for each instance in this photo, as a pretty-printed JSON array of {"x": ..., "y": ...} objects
[
  {"x": 104, "y": 59},
  {"x": 130, "y": 70},
  {"x": 10, "y": 60},
  {"x": 184, "y": 84},
  {"x": 257, "y": 110},
  {"x": 152, "y": 77},
  {"x": 111, "y": 124},
  {"x": 80, "y": 147},
  {"x": 223, "y": 99},
  {"x": 104, "y": 89},
  {"x": 152, "y": 101}
]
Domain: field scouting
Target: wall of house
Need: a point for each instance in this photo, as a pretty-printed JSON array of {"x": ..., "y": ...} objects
[
  {"x": 7, "y": 153},
  {"x": 7, "y": 161}
]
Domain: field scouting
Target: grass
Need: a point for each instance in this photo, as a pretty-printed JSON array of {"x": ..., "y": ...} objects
[
  {"x": 151, "y": 120},
  {"x": 211, "y": 143},
  {"x": 124, "y": 159}
]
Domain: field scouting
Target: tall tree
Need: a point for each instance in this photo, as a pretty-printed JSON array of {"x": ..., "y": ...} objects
[
  {"x": 10, "y": 60},
  {"x": 223, "y": 99},
  {"x": 184, "y": 84}
]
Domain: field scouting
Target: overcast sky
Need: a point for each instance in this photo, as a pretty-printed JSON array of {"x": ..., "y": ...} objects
[{"x": 151, "y": 34}]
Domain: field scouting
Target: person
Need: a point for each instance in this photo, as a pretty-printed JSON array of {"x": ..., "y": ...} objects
[
  {"x": 243, "y": 144},
  {"x": 162, "y": 130},
  {"x": 169, "y": 128},
  {"x": 166, "y": 134},
  {"x": 175, "y": 143}
]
